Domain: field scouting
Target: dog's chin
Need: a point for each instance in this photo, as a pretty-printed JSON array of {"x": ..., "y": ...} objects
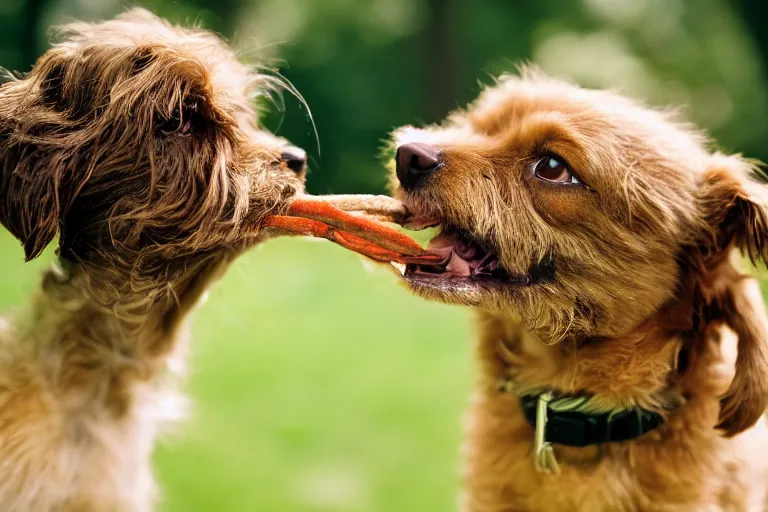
[{"x": 470, "y": 272}]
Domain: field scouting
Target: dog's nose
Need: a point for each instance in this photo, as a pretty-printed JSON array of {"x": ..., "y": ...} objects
[
  {"x": 416, "y": 161},
  {"x": 295, "y": 159}
]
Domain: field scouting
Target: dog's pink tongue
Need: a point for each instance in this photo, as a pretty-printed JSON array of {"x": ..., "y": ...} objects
[
  {"x": 457, "y": 266},
  {"x": 446, "y": 246}
]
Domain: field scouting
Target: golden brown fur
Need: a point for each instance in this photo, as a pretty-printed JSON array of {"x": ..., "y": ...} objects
[
  {"x": 137, "y": 143},
  {"x": 647, "y": 307}
]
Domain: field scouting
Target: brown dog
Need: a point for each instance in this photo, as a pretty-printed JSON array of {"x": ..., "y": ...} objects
[
  {"x": 137, "y": 143},
  {"x": 620, "y": 345}
]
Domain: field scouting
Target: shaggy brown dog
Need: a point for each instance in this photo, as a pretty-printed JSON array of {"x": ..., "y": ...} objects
[
  {"x": 597, "y": 240},
  {"x": 137, "y": 143}
]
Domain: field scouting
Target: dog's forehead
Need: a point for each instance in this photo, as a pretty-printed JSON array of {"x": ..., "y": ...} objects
[
  {"x": 603, "y": 118},
  {"x": 516, "y": 98},
  {"x": 138, "y": 30},
  {"x": 222, "y": 71}
]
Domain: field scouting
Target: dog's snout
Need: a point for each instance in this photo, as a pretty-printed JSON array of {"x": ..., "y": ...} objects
[
  {"x": 416, "y": 161},
  {"x": 295, "y": 159}
]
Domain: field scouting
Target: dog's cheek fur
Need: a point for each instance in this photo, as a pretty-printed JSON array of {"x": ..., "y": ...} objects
[{"x": 596, "y": 258}]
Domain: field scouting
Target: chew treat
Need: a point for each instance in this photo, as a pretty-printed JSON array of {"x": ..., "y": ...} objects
[
  {"x": 313, "y": 216},
  {"x": 382, "y": 208},
  {"x": 320, "y": 210}
]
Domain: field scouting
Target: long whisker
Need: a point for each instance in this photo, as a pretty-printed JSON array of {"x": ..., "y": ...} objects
[{"x": 288, "y": 86}]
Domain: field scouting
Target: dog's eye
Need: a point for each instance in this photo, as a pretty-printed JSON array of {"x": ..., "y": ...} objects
[
  {"x": 183, "y": 121},
  {"x": 553, "y": 168}
]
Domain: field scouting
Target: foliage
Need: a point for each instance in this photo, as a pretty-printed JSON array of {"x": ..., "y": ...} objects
[{"x": 368, "y": 66}]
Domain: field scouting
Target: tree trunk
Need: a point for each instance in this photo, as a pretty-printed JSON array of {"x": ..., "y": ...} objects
[{"x": 439, "y": 47}]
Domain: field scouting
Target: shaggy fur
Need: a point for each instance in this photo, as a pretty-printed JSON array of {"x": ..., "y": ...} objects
[
  {"x": 137, "y": 143},
  {"x": 647, "y": 306}
]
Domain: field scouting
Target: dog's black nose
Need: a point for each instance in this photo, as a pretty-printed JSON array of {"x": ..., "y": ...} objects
[
  {"x": 295, "y": 159},
  {"x": 415, "y": 162}
]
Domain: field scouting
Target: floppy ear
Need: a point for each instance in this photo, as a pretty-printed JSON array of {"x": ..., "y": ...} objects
[
  {"x": 27, "y": 209},
  {"x": 735, "y": 208},
  {"x": 33, "y": 169}
]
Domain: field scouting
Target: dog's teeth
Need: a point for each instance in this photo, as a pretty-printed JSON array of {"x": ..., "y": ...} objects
[{"x": 400, "y": 267}]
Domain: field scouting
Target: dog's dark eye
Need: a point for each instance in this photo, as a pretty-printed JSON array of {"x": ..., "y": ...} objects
[
  {"x": 183, "y": 121},
  {"x": 553, "y": 168}
]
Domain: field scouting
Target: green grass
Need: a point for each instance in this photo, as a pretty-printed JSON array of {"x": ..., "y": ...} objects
[{"x": 318, "y": 385}]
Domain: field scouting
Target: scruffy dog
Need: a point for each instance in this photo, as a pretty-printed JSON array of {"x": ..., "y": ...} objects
[
  {"x": 623, "y": 353},
  {"x": 136, "y": 142}
]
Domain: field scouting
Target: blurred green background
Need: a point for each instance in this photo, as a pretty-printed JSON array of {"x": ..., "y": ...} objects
[{"x": 319, "y": 384}]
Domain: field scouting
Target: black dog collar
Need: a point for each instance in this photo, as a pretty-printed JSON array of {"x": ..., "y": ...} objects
[
  {"x": 569, "y": 421},
  {"x": 573, "y": 428}
]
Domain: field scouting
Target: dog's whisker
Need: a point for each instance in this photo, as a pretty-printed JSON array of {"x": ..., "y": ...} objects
[{"x": 295, "y": 93}]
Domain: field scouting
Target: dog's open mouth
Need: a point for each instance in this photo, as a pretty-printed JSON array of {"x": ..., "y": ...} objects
[
  {"x": 466, "y": 261},
  {"x": 463, "y": 258}
]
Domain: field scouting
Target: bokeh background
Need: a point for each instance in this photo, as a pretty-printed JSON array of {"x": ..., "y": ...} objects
[{"x": 319, "y": 384}]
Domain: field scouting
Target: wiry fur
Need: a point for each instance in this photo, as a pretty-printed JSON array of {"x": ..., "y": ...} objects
[
  {"x": 647, "y": 308},
  {"x": 135, "y": 141}
]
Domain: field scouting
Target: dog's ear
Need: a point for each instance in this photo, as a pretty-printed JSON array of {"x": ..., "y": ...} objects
[
  {"x": 735, "y": 209},
  {"x": 735, "y": 206},
  {"x": 37, "y": 177},
  {"x": 28, "y": 209},
  {"x": 746, "y": 400}
]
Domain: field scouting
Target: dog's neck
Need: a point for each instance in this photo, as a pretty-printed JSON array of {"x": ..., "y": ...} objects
[
  {"x": 624, "y": 372},
  {"x": 127, "y": 335},
  {"x": 648, "y": 369}
]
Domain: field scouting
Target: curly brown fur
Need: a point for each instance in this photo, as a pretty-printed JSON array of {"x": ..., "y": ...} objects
[
  {"x": 136, "y": 141},
  {"x": 644, "y": 305}
]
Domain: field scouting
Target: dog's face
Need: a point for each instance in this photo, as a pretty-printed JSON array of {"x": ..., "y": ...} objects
[
  {"x": 138, "y": 142},
  {"x": 575, "y": 209}
]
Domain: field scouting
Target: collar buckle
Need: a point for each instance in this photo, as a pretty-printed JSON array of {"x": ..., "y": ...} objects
[{"x": 544, "y": 453}]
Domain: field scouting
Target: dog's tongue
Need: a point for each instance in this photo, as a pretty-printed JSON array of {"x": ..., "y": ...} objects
[
  {"x": 456, "y": 254},
  {"x": 314, "y": 216}
]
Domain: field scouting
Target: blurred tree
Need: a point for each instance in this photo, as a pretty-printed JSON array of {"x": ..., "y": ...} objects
[
  {"x": 754, "y": 13},
  {"x": 221, "y": 16},
  {"x": 30, "y": 40},
  {"x": 12, "y": 35},
  {"x": 438, "y": 42}
]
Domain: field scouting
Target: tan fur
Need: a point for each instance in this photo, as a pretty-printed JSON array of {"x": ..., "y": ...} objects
[
  {"x": 648, "y": 306},
  {"x": 93, "y": 145}
]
